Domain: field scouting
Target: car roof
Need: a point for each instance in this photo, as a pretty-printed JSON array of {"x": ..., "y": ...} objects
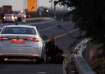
[{"x": 20, "y": 25}]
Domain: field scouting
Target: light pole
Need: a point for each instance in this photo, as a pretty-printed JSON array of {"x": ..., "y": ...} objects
[
  {"x": 51, "y": 11},
  {"x": 55, "y": 3}
]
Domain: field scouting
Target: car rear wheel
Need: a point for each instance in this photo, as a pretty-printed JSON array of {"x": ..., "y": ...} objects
[
  {"x": 1, "y": 59},
  {"x": 40, "y": 61}
]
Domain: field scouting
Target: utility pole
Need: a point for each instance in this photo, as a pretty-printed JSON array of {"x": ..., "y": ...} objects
[
  {"x": 55, "y": 2},
  {"x": 51, "y": 1}
]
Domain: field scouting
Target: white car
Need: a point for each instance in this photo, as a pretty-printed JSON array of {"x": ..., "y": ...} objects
[{"x": 21, "y": 43}]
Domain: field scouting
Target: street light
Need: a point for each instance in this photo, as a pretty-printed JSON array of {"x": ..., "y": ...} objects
[{"x": 47, "y": 12}]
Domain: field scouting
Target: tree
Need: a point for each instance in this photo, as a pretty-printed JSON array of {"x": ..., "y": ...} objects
[{"x": 89, "y": 16}]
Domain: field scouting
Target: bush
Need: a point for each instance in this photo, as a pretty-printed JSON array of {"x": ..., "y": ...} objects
[{"x": 99, "y": 66}]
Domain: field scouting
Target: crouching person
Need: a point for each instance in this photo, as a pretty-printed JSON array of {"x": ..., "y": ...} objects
[{"x": 53, "y": 53}]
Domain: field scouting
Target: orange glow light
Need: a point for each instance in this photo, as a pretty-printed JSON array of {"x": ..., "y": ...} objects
[{"x": 32, "y": 5}]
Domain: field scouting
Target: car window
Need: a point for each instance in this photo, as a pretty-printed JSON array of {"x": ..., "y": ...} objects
[
  {"x": 0, "y": 29},
  {"x": 18, "y": 30}
]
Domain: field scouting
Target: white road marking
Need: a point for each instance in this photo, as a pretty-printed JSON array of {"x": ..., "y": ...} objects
[
  {"x": 41, "y": 72},
  {"x": 61, "y": 35}
]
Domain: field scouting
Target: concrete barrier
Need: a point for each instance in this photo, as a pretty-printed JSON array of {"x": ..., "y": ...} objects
[
  {"x": 82, "y": 66},
  {"x": 39, "y": 18}
]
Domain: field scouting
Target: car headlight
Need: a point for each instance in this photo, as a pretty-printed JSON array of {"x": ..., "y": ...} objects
[
  {"x": 24, "y": 16},
  {"x": 13, "y": 18},
  {"x": 4, "y": 17}
]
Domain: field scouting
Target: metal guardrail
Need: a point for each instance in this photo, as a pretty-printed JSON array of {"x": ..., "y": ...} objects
[
  {"x": 39, "y": 18},
  {"x": 82, "y": 66}
]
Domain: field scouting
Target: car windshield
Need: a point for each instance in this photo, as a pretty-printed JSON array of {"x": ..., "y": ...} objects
[{"x": 18, "y": 30}]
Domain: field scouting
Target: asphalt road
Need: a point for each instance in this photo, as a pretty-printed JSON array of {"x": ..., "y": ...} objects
[
  {"x": 65, "y": 34},
  {"x": 31, "y": 69}
]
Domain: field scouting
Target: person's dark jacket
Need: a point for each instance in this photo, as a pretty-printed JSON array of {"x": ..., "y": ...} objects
[{"x": 52, "y": 49}]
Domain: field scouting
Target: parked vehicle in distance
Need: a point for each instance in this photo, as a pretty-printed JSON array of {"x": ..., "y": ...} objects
[{"x": 9, "y": 18}]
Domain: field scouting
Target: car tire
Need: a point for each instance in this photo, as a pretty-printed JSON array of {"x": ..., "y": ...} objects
[
  {"x": 40, "y": 61},
  {"x": 1, "y": 60},
  {"x": 19, "y": 19}
]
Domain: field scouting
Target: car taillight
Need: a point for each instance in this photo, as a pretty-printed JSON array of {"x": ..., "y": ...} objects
[
  {"x": 3, "y": 38},
  {"x": 34, "y": 39},
  {"x": 34, "y": 55},
  {"x": 18, "y": 41}
]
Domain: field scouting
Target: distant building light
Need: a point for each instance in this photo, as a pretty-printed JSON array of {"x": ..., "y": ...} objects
[
  {"x": 47, "y": 11},
  {"x": 21, "y": 11}
]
